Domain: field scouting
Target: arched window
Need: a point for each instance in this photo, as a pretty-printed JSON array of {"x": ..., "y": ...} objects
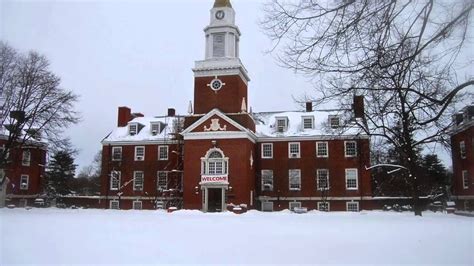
[{"x": 214, "y": 163}]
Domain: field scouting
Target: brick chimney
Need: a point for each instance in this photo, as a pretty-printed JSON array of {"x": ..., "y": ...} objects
[
  {"x": 358, "y": 106},
  {"x": 124, "y": 116},
  {"x": 309, "y": 106}
]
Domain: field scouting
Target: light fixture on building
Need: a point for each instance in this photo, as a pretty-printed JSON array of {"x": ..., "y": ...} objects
[
  {"x": 214, "y": 143},
  {"x": 196, "y": 190}
]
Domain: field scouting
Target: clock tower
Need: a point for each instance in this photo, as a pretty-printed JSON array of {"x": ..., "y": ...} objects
[{"x": 220, "y": 80}]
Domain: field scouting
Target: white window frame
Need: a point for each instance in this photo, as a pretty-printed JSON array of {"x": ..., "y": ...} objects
[
  {"x": 160, "y": 157},
  {"x": 138, "y": 181},
  {"x": 465, "y": 179},
  {"x": 462, "y": 149},
  {"x": 269, "y": 203},
  {"x": 138, "y": 157},
  {"x": 306, "y": 118},
  {"x": 114, "y": 149},
  {"x": 325, "y": 143},
  {"x": 356, "y": 178},
  {"x": 26, "y": 158},
  {"x": 2, "y": 149},
  {"x": 24, "y": 185},
  {"x": 155, "y": 131},
  {"x": 345, "y": 148},
  {"x": 284, "y": 126},
  {"x": 320, "y": 203},
  {"x": 298, "y": 177},
  {"x": 294, "y": 155},
  {"x": 267, "y": 173},
  {"x": 263, "y": 150},
  {"x": 159, "y": 180},
  {"x": 118, "y": 178},
  {"x": 139, "y": 202},
  {"x": 350, "y": 203},
  {"x": 210, "y": 166},
  {"x": 333, "y": 117},
  {"x": 297, "y": 203},
  {"x": 111, "y": 204},
  {"x": 133, "y": 129},
  {"x": 318, "y": 171}
]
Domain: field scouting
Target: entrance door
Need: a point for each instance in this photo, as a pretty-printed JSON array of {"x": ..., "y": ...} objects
[{"x": 214, "y": 201}]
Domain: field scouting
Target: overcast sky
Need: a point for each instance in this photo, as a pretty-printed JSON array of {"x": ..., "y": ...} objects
[{"x": 138, "y": 54}]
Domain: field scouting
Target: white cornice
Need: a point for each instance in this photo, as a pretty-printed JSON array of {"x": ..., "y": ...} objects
[
  {"x": 310, "y": 138},
  {"x": 138, "y": 142}
]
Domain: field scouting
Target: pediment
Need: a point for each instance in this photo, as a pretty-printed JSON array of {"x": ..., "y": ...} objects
[{"x": 214, "y": 121}]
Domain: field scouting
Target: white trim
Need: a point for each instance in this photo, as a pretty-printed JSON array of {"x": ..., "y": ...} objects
[
  {"x": 262, "y": 149},
  {"x": 111, "y": 181},
  {"x": 317, "y": 198},
  {"x": 311, "y": 138},
  {"x": 167, "y": 153},
  {"x": 135, "y": 202},
  {"x": 289, "y": 179},
  {"x": 317, "y": 179},
  {"x": 345, "y": 148},
  {"x": 269, "y": 203},
  {"x": 158, "y": 187},
  {"x": 140, "y": 142},
  {"x": 111, "y": 202},
  {"x": 356, "y": 178},
  {"x": 294, "y": 203},
  {"x": 25, "y": 162},
  {"x": 352, "y": 202},
  {"x": 294, "y": 155},
  {"x": 324, "y": 202},
  {"x": 207, "y": 116},
  {"x": 464, "y": 197},
  {"x": 135, "y": 179},
  {"x": 219, "y": 135},
  {"x": 317, "y": 149},
  {"x": 462, "y": 149},
  {"x": 261, "y": 181},
  {"x": 311, "y": 117},
  {"x": 140, "y": 158}
]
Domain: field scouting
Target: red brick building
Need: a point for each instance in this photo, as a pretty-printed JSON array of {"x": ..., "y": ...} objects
[
  {"x": 222, "y": 154},
  {"x": 22, "y": 176},
  {"x": 462, "y": 148}
]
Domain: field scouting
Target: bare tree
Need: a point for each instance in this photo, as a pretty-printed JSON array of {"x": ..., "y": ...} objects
[
  {"x": 403, "y": 56},
  {"x": 33, "y": 106}
]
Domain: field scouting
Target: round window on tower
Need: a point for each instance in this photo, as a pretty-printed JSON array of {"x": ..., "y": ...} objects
[{"x": 216, "y": 84}]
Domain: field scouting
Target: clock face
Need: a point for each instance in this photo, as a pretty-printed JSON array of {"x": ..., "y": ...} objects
[
  {"x": 216, "y": 84},
  {"x": 220, "y": 14}
]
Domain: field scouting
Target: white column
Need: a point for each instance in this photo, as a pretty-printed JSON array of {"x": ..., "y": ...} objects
[
  {"x": 204, "y": 208},
  {"x": 223, "y": 208}
]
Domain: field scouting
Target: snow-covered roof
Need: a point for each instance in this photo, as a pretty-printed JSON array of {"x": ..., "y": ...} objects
[
  {"x": 266, "y": 124},
  {"x": 168, "y": 125}
]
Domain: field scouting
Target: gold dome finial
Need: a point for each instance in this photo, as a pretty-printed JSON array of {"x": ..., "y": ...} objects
[{"x": 222, "y": 3}]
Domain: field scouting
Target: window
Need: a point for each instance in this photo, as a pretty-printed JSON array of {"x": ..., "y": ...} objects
[
  {"x": 308, "y": 122},
  {"x": 322, "y": 149},
  {"x": 281, "y": 124},
  {"x": 465, "y": 179},
  {"x": 323, "y": 206},
  {"x": 334, "y": 121},
  {"x": 267, "y": 150},
  {"x": 294, "y": 205},
  {"x": 350, "y": 148},
  {"x": 133, "y": 129},
  {"x": 26, "y": 158},
  {"x": 2, "y": 150},
  {"x": 155, "y": 129},
  {"x": 114, "y": 205},
  {"x": 23, "y": 203},
  {"x": 352, "y": 206},
  {"x": 138, "y": 180},
  {"x": 115, "y": 180},
  {"x": 162, "y": 180},
  {"x": 462, "y": 149},
  {"x": 294, "y": 150},
  {"x": 214, "y": 163},
  {"x": 218, "y": 47},
  {"x": 322, "y": 176},
  {"x": 137, "y": 205},
  {"x": 24, "y": 182},
  {"x": 267, "y": 180},
  {"x": 351, "y": 179},
  {"x": 294, "y": 177},
  {"x": 116, "y": 153},
  {"x": 163, "y": 153},
  {"x": 267, "y": 206},
  {"x": 139, "y": 153}
]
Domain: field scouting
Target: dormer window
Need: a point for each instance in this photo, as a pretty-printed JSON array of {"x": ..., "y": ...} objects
[
  {"x": 155, "y": 128},
  {"x": 133, "y": 129},
  {"x": 281, "y": 124},
  {"x": 334, "y": 121},
  {"x": 308, "y": 122}
]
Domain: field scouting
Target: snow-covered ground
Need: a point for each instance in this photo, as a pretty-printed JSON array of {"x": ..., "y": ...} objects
[{"x": 52, "y": 236}]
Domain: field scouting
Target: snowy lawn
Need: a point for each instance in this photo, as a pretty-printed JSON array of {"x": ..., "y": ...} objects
[{"x": 51, "y": 236}]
